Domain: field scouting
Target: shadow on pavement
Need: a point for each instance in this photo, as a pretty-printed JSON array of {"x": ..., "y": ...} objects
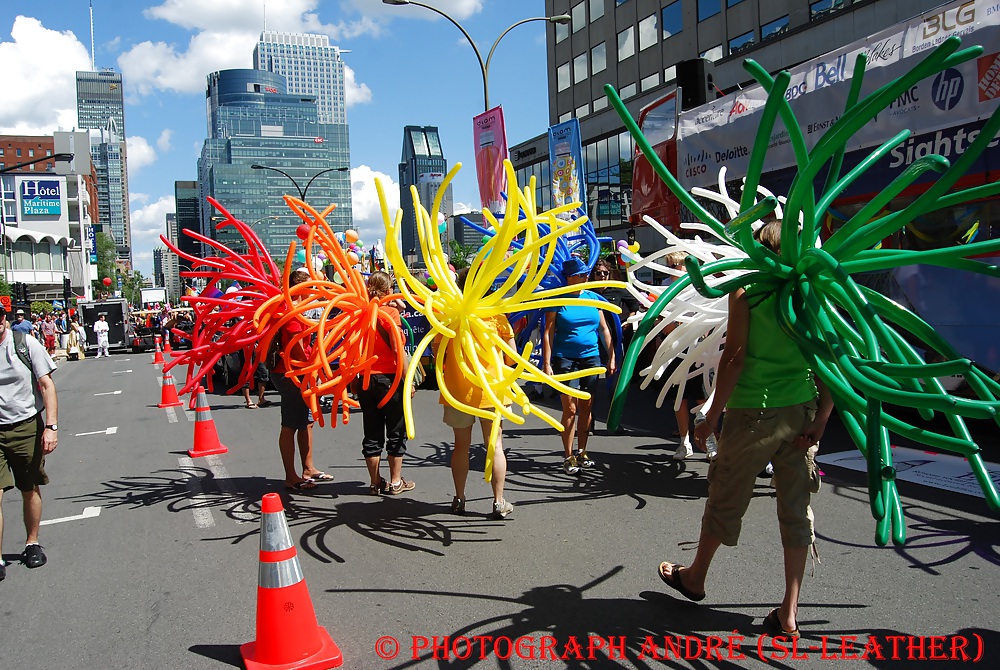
[{"x": 224, "y": 653}]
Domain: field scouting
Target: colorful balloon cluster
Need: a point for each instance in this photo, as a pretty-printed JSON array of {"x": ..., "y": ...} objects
[
  {"x": 458, "y": 317},
  {"x": 626, "y": 252},
  {"x": 851, "y": 335}
]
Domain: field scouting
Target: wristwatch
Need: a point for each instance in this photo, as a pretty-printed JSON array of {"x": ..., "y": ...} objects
[{"x": 52, "y": 426}]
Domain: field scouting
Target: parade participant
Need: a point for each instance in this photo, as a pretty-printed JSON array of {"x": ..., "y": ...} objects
[
  {"x": 461, "y": 423},
  {"x": 384, "y": 426},
  {"x": 772, "y": 414},
  {"x": 49, "y": 331},
  {"x": 26, "y": 389},
  {"x": 101, "y": 329},
  {"x": 570, "y": 343},
  {"x": 21, "y": 324},
  {"x": 76, "y": 342}
]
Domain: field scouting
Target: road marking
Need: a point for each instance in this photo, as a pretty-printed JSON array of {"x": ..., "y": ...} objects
[
  {"x": 171, "y": 415},
  {"x": 190, "y": 414},
  {"x": 202, "y": 515},
  {"x": 108, "y": 393},
  {"x": 88, "y": 513},
  {"x": 110, "y": 431},
  {"x": 226, "y": 486},
  {"x": 121, "y": 372}
]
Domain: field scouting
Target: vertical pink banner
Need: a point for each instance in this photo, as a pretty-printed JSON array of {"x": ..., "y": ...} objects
[{"x": 490, "y": 139}]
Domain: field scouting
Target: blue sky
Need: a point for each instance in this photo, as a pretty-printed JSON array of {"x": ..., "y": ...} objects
[{"x": 407, "y": 66}]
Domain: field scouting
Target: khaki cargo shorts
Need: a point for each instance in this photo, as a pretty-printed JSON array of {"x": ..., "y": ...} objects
[
  {"x": 22, "y": 462},
  {"x": 750, "y": 439}
]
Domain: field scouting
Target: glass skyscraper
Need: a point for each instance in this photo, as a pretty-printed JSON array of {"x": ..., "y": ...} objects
[
  {"x": 100, "y": 108},
  {"x": 188, "y": 218},
  {"x": 253, "y": 121},
  {"x": 422, "y": 165},
  {"x": 310, "y": 65}
]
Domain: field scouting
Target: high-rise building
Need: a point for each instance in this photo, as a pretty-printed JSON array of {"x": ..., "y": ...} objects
[
  {"x": 100, "y": 108},
  {"x": 252, "y": 121},
  {"x": 310, "y": 65},
  {"x": 165, "y": 263},
  {"x": 636, "y": 46},
  {"x": 187, "y": 207},
  {"x": 422, "y": 165}
]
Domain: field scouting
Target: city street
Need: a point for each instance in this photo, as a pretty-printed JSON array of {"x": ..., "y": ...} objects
[{"x": 153, "y": 557}]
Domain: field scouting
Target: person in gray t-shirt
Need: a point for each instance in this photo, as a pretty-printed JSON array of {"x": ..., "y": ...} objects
[{"x": 25, "y": 437}]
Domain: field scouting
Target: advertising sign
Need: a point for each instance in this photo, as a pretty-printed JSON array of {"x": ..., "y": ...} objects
[
  {"x": 722, "y": 132},
  {"x": 92, "y": 244},
  {"x": 490, "y": 139},
  {"x": 566, "y": 158},
  {"x": 41, "y": 197}
]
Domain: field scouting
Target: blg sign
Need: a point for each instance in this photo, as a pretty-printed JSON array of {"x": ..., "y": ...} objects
[{"x": 41, "y": 197}]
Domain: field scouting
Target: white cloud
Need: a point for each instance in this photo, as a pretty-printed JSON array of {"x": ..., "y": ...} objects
[
  {"x": 138, "y": 197},
  {"x": 140, "y": 153},
  {"x": 355, "y": 93},
  {"x": 463, "y": 208},
  {"x": 39, "y": 80},
  {"x": 364, "y": 199},
  {"x": 459, "y": 9},
  {"x": 150, "y": 220},
  {"x": 225, "y": 34},
  {"x": 163, "y": 141}
]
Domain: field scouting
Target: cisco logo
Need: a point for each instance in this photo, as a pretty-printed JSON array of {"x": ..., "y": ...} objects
[{"x": 947, "y": 88}]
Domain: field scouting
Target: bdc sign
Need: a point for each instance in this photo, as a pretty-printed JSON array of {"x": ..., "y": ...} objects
[{"x": 41, "y": 197}]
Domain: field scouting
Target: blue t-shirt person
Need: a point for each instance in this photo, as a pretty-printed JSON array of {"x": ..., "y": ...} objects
[
  {"x": 23, "y": 326},
  {"x": 576, "y": 332}
]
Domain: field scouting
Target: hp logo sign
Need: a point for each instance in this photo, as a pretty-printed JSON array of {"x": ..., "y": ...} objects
[{"x": 946, "y": 89}]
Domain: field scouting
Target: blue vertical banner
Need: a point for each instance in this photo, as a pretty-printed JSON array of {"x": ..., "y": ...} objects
[{"x": 566, "y": 158}]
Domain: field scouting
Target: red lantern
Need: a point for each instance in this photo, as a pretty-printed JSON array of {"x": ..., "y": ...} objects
[
  {"x": 107, "y": 281},
  {"x": 302, "y": 231}
]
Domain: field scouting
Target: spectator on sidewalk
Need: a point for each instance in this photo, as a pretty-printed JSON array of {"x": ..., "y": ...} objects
[
  {"x": 76, "y": 342},
  {"x": 26, "y": 389},
  {"x": 101, "y": 329},
  {"x": 21, "y": 324},
  {"x": 49, "y": 331}
]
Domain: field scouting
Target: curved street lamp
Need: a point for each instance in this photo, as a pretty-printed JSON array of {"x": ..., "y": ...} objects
[
  {"x": 302, "y": 191},
  {"x": 484, "y": 66}
]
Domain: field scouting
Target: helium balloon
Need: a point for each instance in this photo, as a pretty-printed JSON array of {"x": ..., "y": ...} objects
[
  {"x": 300, "y": 256},
  {"x": 106, "y": 281},
  {"x": 634, "y": 247},
  {"x": 302, "y": 232},
  {"x": 352, "y": 258},
  {"x": 351, "y": 236}
]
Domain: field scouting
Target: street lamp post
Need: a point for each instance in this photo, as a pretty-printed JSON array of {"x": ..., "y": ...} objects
[
  {"x": 302, "y": 191},
  {"x": 484, "y": 66}
]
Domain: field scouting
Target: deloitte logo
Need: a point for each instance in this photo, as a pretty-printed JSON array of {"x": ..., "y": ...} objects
[{"x": 946, "y": 89}]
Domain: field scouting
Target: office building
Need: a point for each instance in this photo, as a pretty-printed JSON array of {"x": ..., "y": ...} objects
[
  {"x": 252, "y": 120},
  {"x": 165, "y": 263},
  {"x": 311, "y": 67},
  {"x": 187, "y": 206},
  {"x": 100, "y": 108},
  {"x": 422, "y": 165},
  {"x": 635, "y": 45}
]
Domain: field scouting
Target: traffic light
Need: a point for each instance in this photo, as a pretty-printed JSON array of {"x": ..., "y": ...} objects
[
  {"x": 25, "y": 294},
  {"x": 19, "y": 288},
  {"x": 67, "y": 291}
]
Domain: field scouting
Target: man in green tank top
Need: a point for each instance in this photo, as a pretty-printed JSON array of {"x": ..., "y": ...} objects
[{"x": 776, "y": 411}]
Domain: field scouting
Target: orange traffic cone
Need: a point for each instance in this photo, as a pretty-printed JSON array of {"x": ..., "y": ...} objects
[
  {"x": 158, "y": 356},
  {"x": 194, "y": 396},
  {"x": 166, "y": 345},
  {"x": 168, "y": 393},
  {"x": 206, "y": 439},
  {"x": 288, "y": 635}
]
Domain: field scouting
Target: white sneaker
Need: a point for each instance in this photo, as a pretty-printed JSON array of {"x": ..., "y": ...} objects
[
  {"x": 712, "y": 449},
  {"x": 684, "y": 450}
]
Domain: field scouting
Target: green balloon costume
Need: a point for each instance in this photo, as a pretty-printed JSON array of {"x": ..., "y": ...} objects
[{"x": 851, "y": 335}]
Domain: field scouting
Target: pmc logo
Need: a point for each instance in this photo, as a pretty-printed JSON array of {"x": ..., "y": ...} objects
[{"x": 946, "y": 89}]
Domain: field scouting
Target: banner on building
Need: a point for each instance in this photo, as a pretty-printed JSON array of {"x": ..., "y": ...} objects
[
  {"x": 566, "y": 163},
  {"x": 92, "y": 244},
  {"x": 490, "y": 139}
]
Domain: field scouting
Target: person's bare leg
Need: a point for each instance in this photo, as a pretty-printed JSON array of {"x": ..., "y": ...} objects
[
  {"x": 683, "y": 416},
  {"x": 569, "y": 424},
  {"x": 286, "y": 445},
  {"x": 585, "y": 408},
  {"x": 33, "y": 515},
  {"x": 1, "y": 524},
  {"x": 460, "y": 459},
  {"x": 795, "y": 569},
  {"x": 246, "y": 396},
  {"x": 499, "y": 461},
  {"x": 306, "y": 452},
  {"x": 395, "y": 469},
  {"x": 373, "y": 464},
  {"x": 693, "y": 577}
]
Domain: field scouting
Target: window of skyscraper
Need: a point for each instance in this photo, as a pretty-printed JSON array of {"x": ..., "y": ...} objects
[
  {"x": 598, "y": 58},
  {"x": 670, "y": 74},
  {"x": 579, "y": 16},
  {"x": 730, "y": 3},
  {"x": 708, "y": 8},
  {"x": 773, "y": 28},
  {"x": 620, "y": 2},
  {"x": 565, "y": 117},
  {"x": 420, "y": 144},
  {"x": 673, "y": 22},
  {"x": 582, "y": 111},
  {"x": 626, "y": 91},
  {"x": 647, "y": 32},
  {"x": 713, "y": 54},
  {"x": 596, "y": 9},
  {"x": 741, "y": 42},
  {"x": 649, "y": 82},
  {"x": 580, "y": 68},
  {"x": 562, "y": 32},
  {"x": 600, "y": 103},
  {"x": 435, "y": 144},
  {"x": 626, "y": 43},
  {"x": 562, "y": 77},
  {"x": 823, "y": 7}
]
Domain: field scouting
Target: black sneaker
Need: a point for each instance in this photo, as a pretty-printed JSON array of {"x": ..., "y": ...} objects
[{"x": 33, "y": 556}]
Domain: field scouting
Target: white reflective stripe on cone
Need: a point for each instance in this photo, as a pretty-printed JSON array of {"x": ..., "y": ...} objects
[
  {"x": 274, "y": 535},
  {"x": 202, "y": 414},
  {"x": 202, "y": 401},
  {"x": 279, "y": 575}
]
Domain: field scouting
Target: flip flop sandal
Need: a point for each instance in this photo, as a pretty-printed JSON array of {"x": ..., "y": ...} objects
[
  {"x": 673, "y": 580},
  {"x": 252, "y": 406},
  {"x": 321, "y": 477},
  {"x": 774, "y": 628},
  {"x": 304, "y": 485}
]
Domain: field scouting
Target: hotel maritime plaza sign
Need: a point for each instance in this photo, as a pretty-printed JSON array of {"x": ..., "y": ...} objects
[{"x": 41, "y": 197}]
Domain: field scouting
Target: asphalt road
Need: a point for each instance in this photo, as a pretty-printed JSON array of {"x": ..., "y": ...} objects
[{"x": 164, "y": 574}]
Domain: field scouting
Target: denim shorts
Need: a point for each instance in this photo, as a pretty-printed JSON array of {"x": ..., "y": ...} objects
[
  {"x": 295, "y": 413},
  {"x": 562, "y": 365}
]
